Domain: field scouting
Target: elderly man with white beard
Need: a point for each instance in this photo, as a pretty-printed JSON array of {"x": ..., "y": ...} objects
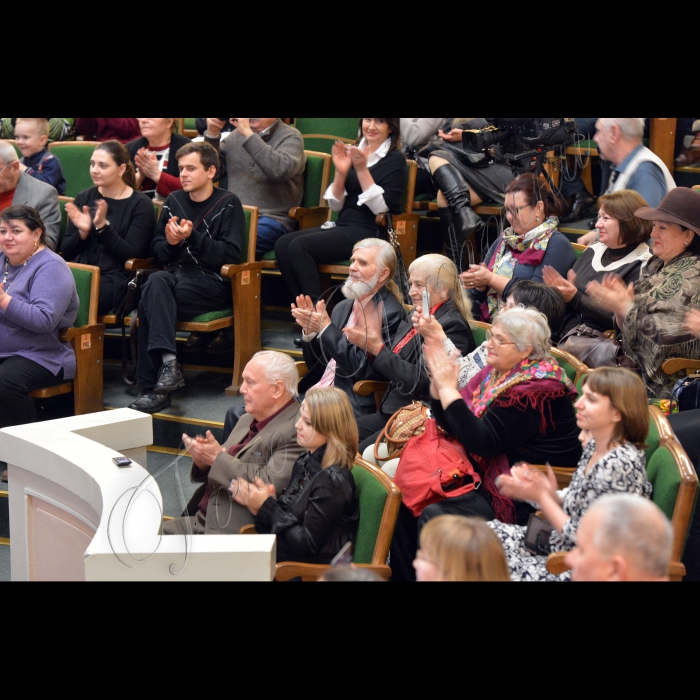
[{"x": 373, "y": 301}]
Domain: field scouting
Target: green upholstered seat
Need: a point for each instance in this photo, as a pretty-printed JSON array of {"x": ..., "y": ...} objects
[
  {"x": 75, "y": 160},
  {"x": 213, "y": 316},
  {"x": 479, "y": 333}
]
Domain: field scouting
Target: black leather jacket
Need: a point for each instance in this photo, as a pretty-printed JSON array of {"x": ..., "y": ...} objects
[{"x": 316, "y": 515}]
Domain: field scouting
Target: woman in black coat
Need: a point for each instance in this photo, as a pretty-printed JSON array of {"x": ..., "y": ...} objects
[{"x": 318, "y": 513}]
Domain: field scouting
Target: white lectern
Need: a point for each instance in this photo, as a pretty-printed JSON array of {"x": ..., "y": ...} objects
[{"x": 76, "y": 516}]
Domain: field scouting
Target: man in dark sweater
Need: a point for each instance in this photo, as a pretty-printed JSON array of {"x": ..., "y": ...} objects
[{"x": 201, "y": 229}]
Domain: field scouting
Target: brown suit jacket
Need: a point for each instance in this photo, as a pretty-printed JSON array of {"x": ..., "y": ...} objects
[{"x": 270, "y": 455}]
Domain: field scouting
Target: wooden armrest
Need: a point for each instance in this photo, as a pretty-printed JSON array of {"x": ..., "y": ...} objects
[
  {"x": 248, "y": 530},
  {"x": 140, "y": 264},
  {"x": 231, "y": 271},
  {"x": 309, "y": 217},
  {"x": 287, "y": 570},
  {"x": 367, "y": 387},
  {"x": 67, "y": 335},
  {"x": 302, "y": 368},
  {"x": 678, "y": 364},
  {"x": 556, "y": 564}
]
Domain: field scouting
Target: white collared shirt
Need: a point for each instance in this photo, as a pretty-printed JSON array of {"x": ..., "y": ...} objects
[{"x": 374, "y": 196}]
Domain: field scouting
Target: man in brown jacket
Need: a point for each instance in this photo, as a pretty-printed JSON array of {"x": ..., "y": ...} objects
[{"x": 263, "y": 444}]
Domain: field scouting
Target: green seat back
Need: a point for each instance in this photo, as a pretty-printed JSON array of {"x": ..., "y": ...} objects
[
  {"x": 83, "y": 283},
  {"x": 372, "y": 497},
  {"x": 568, "y": 368},
  {"x": 313, "y": 182},
  {"x": 190, "y": 123},
  {"x": 345, "y": 127},
  {"x": 64, "y": 221},
  {"x": 75, "y": 160},
  {"x": 479, "y": 335},
  {"x": 246, "y": 237},
  {"x": 664, "y": 476},
  {"x": 652, "y": 441}
]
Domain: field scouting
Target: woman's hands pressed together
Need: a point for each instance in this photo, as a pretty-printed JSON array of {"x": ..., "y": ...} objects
[
  {"x": 478, "y": 277},
  {"x": 252, "y": 496}
]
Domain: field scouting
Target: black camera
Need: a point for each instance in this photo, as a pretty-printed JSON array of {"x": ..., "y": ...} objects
[{"x": 521, "y": 134}]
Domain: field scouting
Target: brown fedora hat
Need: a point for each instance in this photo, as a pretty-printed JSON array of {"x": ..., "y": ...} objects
[{"x": 680, "y": 206}]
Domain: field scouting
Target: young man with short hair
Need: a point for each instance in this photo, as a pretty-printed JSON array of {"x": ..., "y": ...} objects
[{"x": 201, "y": 229}]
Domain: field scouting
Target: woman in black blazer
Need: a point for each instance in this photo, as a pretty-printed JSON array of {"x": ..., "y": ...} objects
[{"x": 401, "y": 362}]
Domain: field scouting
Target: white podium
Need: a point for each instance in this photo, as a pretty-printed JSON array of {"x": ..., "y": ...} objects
[{"x": 76, "y": 516}]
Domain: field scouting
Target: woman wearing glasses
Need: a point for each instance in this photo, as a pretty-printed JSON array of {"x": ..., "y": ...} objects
[
  {"x": 517, "y": 409},
  {"x": 522, "y": 251}
]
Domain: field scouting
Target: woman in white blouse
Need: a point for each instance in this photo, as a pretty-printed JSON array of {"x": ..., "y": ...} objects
[{"x": 370, "y": 179}]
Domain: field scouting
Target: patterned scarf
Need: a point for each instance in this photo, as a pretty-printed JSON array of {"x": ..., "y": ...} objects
[
  {"x": 527, "y": 249},
  {"x": 530, "y": 385}
]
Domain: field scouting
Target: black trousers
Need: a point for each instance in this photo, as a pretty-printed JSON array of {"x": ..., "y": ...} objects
[
  {"x": 176, "y": 294},
  {"x": 369, "y": 428},
  {"x": 300, "y": 252},
  {"x": 19, "y": 376}
]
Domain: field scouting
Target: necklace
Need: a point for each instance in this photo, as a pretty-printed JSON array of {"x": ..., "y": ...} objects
[
  {"x": 7, "y": 269},
  {"x": 101, "y": 190}
]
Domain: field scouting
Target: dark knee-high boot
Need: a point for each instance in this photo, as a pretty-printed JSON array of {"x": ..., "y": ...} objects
[
  {"x": 467, "y": 224},
  {"x": 450, "y": 236}
]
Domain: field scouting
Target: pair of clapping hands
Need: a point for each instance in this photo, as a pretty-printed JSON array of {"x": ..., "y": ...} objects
[
  {"x": 84, "y": 219},
  {"x": 204, "y": 449},
  {"x": 346, "y": 157}
]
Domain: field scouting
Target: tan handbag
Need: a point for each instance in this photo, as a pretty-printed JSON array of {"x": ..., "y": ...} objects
[{"x": 406, "y": 423}]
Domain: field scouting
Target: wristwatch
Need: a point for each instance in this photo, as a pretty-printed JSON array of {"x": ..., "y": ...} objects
[{"x": 100, "y": 230}]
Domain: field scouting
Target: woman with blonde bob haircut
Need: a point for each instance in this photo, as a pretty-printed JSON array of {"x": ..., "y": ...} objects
[
  {"x": 612, "y": 411},
  {"x": 454, "y": 548},
  {"x": 317, "y": 514}
]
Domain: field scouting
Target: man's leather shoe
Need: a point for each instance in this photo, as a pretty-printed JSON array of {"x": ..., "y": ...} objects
[
  {"x": 299, "y": 342},
  {"x": 222, "y": 343},
  {"x": 583, "y": 201},
  {"x": 197, "y": 342},
  {"x": 151, "y": 402},
  {"x": 169, "y": 379},
  {"x": 688, "y": 157}
]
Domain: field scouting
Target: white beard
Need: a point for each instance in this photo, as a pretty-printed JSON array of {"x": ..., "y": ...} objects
[{"x": 360, "y": 289}]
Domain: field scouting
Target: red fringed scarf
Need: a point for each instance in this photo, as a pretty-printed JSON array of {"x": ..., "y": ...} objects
[{"x": 530, "y": 385}]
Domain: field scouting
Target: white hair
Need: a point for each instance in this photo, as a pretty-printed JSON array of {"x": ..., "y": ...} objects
[
  {"x": 7, "y": 153},
  {"x": 635, "y": 527},
  {"x": 527, "y": 327},
  {"x": 278, "y": 367},
  {"x": 631, "y": 128}
]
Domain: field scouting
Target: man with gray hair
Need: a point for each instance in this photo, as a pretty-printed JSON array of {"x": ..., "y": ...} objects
[
  {"x": 263, "y": 444},
  {"x": 17, "y": 187},
  {"x": 635, "y": 167},
  {"x": 622, "y": 537},
  {"x": 338, "y": 349}
]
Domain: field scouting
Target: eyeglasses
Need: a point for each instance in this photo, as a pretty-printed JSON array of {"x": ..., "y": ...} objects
[
  {"x": 5, "y": 168},
  {"x": 490, "y": 337},
  {"x": 516, "y": 212}
]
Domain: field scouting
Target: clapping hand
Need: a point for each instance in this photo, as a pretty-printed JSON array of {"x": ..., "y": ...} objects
[
  {"x": 525, "y": 483},
  {"x": 147, "y": 164},
  {"x": 612, "y": 294},
  {"x": 358, "y": 157},
  {"x": 177, "y": 233},
  {"x": 204, "y": 449},
  {"x": 429, "y": 328},
  {"x": 478, "y": 277},
  {"x": 444, "y": 372},
  {"x": 251, "y": 496},
  {"x": 566, "y": 286},
  {"x": 341, "y": 159},
  {"x": 312, "y": 319}
]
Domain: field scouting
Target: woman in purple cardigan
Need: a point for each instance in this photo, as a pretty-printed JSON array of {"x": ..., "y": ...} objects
[{"x": 37, "y": 298}]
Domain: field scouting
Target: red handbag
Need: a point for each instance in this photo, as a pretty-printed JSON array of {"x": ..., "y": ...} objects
[{"x": 433, "y": 467}]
